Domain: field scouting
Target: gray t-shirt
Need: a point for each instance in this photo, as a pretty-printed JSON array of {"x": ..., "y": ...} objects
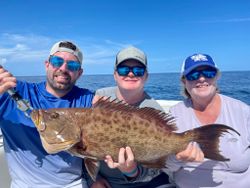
[
  {"x": 147, "y": 102},
  {"x": 114, "y": 176},
  {"x": 209, "y": 173}
]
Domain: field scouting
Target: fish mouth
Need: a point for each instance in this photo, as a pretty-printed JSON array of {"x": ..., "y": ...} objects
[
  {"x": 57, "y": 147},
  {"x": 36, "y": 116}
]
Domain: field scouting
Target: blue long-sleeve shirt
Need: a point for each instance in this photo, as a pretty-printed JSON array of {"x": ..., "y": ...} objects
[{"x": 29, "y": 164}]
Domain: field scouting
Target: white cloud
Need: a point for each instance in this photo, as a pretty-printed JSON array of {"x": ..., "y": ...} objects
[
  {"x": 34, "y": 47},
  {"x": 25, "y": 50},
  {"x": 231, "y": 20},
  {"x": 238, "y": 20},
  {"x": 20, "y": 48}
]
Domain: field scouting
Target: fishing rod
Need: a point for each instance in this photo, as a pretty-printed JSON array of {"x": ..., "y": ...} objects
[{"x": 22, "y": 104}]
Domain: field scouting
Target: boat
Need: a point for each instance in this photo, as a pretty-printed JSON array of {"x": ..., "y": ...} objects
[{"x": 4, "y": 173}]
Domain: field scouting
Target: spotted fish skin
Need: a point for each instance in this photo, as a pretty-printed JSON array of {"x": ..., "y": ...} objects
[{"x": 93, "y": 133}]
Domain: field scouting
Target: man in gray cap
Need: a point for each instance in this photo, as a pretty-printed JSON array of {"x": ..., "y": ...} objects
[
  {"x": 29, "y": 164},
  {"x": 130, "y": 74}
]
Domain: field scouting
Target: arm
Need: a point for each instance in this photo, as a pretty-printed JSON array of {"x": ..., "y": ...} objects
[
  {"x": 192, "y": 153},
  {"x": 132, "y": 171},
  {"x": 97, "y": 98},
  {"x": 126, "y": 162}
]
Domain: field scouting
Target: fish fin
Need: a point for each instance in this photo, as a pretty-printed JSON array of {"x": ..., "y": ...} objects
[
  {"x": 165, "y": 120},
  {"x": 78, "y": 150},
  {"x": 105, "y": 102},
  {"x": 207, "y": 137},
  {"x": 158, "y": 163},
  {"x": 92, "y": 166}
]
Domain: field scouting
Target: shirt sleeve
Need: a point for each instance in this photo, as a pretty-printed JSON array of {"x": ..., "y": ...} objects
[
  {"x": 172, "y": 164},
  {"x": 248, "y": 124},
  {"x": 145, "y": 174}
]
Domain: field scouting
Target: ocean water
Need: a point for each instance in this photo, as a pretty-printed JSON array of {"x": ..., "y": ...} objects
[{"x": 167, "y": 85}]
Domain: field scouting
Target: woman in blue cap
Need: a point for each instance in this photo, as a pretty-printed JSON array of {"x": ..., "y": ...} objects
[{"x": 204, "y": 105}]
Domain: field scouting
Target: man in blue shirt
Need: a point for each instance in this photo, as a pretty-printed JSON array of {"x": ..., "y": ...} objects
[{"x": 29, "y": 164}]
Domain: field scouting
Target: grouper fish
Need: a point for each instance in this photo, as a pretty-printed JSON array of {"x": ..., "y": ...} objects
[{"x": 93, "y": 133}]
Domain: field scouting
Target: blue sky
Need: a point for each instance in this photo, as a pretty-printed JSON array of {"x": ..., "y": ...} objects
[{"x": 166, "y": 30}]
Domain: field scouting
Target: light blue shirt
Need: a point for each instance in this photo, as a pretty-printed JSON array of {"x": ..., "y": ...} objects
[{"x": 233, "y": 173}]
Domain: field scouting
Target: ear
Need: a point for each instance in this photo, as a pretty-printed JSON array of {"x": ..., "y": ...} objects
[
  {"x": 80, "y": 73},
  {"x": 115, "y": 75},
  {"x": 183, "y": 80},
  {"x": 46, "y": 64},
  {"x": 146, "y": 75},
  {"x": 218, "y": 76}
]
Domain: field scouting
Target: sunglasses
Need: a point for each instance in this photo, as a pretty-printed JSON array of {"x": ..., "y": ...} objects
[
  {"x": 136, "y": 70},
  {"x": 195, "y": 74},
  {"x": 57, "y": 62}
]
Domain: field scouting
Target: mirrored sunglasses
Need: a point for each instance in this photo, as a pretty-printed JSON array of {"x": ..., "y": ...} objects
[
  {"x": 57, "y": 62},
  {"x": 195, "y": 74},
  {"x": 136, "y": 70}
]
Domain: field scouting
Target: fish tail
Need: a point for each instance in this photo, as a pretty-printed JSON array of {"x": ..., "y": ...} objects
[{"x": 208, "y": 139}]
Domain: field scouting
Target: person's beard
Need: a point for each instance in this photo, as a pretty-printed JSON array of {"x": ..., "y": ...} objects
[{"x": 61, "y": 87}]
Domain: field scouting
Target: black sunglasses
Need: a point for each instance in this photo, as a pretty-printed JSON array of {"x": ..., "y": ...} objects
[
  {"x": 138, "y": 71},
  {"x": 195, "y": 74}
]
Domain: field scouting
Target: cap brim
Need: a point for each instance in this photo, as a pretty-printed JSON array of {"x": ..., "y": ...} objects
[
  {"x": 133, "y": 58},
  {"x": 198, "y": 65}
]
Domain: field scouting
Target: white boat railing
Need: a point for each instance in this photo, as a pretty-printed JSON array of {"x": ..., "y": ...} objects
[
  {"x": 166, "y": 104},
  {"x": 4, "y": 174}
]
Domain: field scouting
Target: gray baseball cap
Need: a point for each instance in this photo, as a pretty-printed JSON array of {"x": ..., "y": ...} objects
[
  {"x": 131, "y": 53},
  {"x": 66, "y": 46}
]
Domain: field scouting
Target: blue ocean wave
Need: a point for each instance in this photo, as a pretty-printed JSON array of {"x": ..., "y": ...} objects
[{"x": 167, "y": 85}]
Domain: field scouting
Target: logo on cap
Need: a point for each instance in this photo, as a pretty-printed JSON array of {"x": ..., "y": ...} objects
[{"x": 199, "y": 57}]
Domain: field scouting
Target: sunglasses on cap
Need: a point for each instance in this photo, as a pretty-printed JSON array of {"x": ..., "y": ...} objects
[
  {"x": 136, "y": 70},
  {"x": 57, "y": 62},
  {"x": 195, "y": 74}
]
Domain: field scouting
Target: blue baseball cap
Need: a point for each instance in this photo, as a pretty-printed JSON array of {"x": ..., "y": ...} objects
[{"x": 197, "y": 60}]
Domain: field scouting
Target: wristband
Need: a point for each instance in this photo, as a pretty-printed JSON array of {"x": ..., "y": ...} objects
[{"x": 131, "y": 173}]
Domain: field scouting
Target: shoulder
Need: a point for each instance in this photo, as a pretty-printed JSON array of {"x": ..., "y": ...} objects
[
  {"x": 151, "y": 103},
  {"x": 106, "y": 91},
  {"x": 181, "y": 107},
  {"x": 182, "y": 104},
  {"x": 24, "y": 87},
  {"x": 233, "y": 103},
  {"x": 235, "y": 109},
  {"x": 82, "y": 91}
]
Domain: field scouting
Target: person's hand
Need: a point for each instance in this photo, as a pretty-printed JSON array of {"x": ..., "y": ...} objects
[
  {"x": 126, "y": 162},
  {"x": 100, "y": 183},
  {"x": 7, "y": 80},
  {"x": 192, "y": 153},
  {"x": 97, "y": 97}
]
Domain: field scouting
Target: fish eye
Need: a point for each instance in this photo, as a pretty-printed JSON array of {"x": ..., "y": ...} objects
[{"x": 54, "y": 115}]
